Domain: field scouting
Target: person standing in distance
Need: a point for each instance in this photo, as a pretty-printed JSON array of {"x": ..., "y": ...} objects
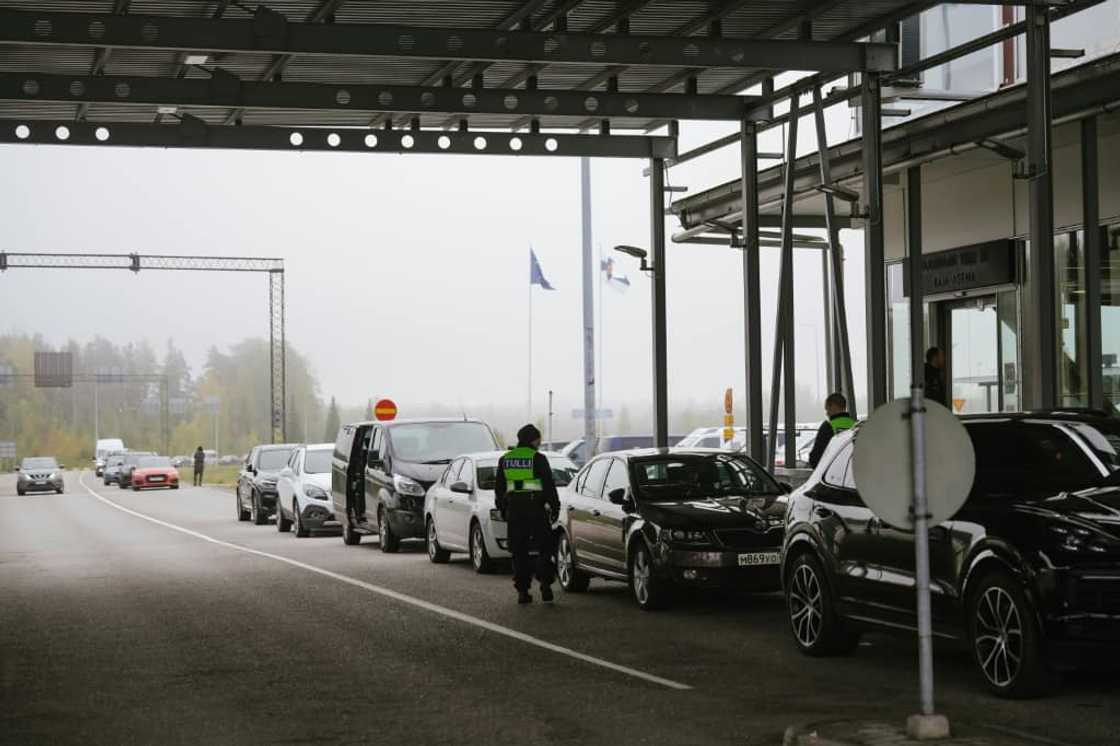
[
  {"x": 525, "y": 494},
  {"x": 935, "y": 376},
  {"x": 199, "y": 466},
  {"x": 839, "y": 420}
]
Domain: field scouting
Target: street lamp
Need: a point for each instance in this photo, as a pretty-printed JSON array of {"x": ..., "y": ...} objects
[{"x": 637, "y": 253}]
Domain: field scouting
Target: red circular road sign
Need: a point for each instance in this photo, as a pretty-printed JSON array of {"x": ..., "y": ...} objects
[{"x": 385, "y": 410}]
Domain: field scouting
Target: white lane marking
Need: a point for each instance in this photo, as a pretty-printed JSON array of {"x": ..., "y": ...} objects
[{"x": 405, "y": 598}]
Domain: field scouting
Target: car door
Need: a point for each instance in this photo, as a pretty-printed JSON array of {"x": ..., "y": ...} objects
[
  {"x": 244, "y": 478},
  {"x": 844, "y": 524},
  {"x": 340, "y": 467},
  {"x": 608, "y": 520},
  {"x": 587, "y": 509},
  {"x": 459, "y": 504},
  {"x": 441, "y": 493},
  {"x": 285, "y": 482},
  {"x": 374, "y": 477}
]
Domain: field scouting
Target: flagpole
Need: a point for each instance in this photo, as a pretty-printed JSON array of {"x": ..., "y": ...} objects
[{"x": 529, "y": 384}]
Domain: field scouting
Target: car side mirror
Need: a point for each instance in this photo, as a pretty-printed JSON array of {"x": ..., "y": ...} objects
[
  {"x": 618, "y": 496},
  {"x": 785, "y": 487},
  {"x": 461, "y": 487}
]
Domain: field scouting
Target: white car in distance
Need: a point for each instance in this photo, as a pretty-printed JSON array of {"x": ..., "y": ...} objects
[
  {"x": 460, "y": 512},
  {"x": 303, "y": 492}
]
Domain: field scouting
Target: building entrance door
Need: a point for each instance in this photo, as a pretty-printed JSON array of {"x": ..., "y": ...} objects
[{"x": 980, "y": 338}]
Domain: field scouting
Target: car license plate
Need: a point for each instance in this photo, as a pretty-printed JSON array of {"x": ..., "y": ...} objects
[
  {"x": 40, "y": 482},
  {"x": 752, "y": 559},
  {"x": 157, "y": 479}
]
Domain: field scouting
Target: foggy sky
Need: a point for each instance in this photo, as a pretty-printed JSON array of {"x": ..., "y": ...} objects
[{"x": 407, "y": 276}]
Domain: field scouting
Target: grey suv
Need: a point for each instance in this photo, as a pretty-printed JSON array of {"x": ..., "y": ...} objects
[{"x": 39, "y": 474}]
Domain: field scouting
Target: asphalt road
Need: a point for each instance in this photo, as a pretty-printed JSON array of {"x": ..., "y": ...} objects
[{"x": 200, "y": 629}]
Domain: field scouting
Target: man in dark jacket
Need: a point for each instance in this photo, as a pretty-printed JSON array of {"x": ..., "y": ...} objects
[
  {"x": 525, "y": 494},
  {"x": 199, "y": 466},
  {"x": 935, "y": 376},
  {"x": 839, "y": 420}
]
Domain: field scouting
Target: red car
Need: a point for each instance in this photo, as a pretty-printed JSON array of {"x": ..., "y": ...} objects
[{"x": 155, "y": 471}]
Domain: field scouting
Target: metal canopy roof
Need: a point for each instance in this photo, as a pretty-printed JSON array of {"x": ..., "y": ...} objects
[{"x": 333, "y": 63}]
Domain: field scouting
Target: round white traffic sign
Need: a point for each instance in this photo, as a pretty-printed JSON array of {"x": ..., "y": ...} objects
[{"x": 883, "y": 464}]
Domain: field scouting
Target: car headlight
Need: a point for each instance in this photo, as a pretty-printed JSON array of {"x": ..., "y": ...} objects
[
  {"x": 684, "y": 536},
  {"x": 51, "y": 477},
  {"x": 406, "y": 486},
  {"x": 317, "y": 493},
  {"x": 1078, "y": 540}
]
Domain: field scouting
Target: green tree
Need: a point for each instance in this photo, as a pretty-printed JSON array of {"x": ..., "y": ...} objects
[{"x": 330, "y": 432}]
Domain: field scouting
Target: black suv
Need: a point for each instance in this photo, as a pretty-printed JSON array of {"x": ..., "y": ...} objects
[
  {"x": 664, "y": 519},
  {"x": 1025, "y": 573},
  {"x": 256, "y": 484},
  {"x": 381, "y": 472}
]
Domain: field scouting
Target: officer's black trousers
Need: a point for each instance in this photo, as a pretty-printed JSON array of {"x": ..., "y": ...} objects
[{"x": 530, "y": 531}]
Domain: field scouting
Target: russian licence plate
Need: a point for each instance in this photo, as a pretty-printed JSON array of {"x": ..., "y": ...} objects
[{"x": 752, "y": 559}]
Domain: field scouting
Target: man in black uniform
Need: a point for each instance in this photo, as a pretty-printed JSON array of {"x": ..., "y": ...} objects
[
  {"x": 525, "y": 494},
  {"x": 934, "y": 376}
]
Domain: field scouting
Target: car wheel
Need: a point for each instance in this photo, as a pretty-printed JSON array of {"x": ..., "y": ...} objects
[
  {"x": 135, "y": 488},
  {"x": 436, "y": 553},
  {"x": 350, "y": 537},
  {"x": 814, "y": 620},
  {"x": 480, "y": 558},
  {"x": 283, "y": 525},
  {"x": 1005, "y": 638},
  {"x": 60, "y": 490},
  {"x": 259, "y": 518},
  {"x": 297, "y": 522},
  {"x": 20, "y": 492},
  {"x": 571, "y": 578},
  {"x": 242, "y": 514},
  {"x": 389, "y": 541},
  {"x": 648, "y": 590},
  {"x": 174, "y": 486}
]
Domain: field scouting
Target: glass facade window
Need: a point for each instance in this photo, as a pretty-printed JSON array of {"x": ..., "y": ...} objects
[
  {"x": 1110, "y": 316},
  {"x": 1069, "y": 274}
]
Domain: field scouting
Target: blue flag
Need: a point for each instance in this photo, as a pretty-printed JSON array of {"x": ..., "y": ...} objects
[{"x": 536, "y": 277}]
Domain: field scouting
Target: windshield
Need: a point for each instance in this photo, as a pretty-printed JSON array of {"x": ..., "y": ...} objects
[
  {"x": 154, "y": 462},
  {"x": 439, "y": 442},
  {"x": 274, "y": 459},
  {"x": 116, "y": 461},
  {"x": 562, "y": 475},
  {"x": 699, "y": 476},
  {"x": 317, "y": 462},
  {"x": 40, "y": 463}
]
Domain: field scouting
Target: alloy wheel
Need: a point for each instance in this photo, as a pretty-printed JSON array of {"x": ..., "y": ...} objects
[
  {"x": 641, "y": 574},
  {"x": 476, "y": 546},
  {"x": 432, "y": 541},
  {"x": 806, "y": 606},
  {"x": 564, "y": 562},
  {"x": 999, "y": 637}
]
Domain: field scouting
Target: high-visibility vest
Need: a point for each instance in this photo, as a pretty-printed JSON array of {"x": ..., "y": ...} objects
[
  {"x": 519, "y": 473},
  {"x": 841, "y": 423}
]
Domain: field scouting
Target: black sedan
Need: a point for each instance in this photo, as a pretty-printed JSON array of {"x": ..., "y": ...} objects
[
  {"x": 1027, "y": 573},
  {"x": 671, "y": 519}
]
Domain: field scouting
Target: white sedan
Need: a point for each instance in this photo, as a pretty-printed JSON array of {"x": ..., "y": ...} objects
[
  {"x": 303, "y": 491},
  {"x": 460, "y": 513}
]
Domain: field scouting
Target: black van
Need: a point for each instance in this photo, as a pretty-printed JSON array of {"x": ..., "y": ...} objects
[{"x": 381, "y": 472}]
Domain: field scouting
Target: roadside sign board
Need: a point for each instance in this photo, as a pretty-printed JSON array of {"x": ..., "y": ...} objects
[
  {"x": 884, "y": 465},
  {"x": 385, "y": 410},
  {"x": 7, "y": 449}
]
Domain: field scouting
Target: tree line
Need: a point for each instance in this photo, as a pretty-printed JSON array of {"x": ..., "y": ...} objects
[{"x": 225, "y": 406}]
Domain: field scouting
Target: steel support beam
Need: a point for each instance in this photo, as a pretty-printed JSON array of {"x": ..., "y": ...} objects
[
  {"x": 226, "y": 90},
  {"x": 277, "y": 356},
  {"x": 873, "y": 241},
  {"x": 194, "y": 133},
  {"x": 269, "y": 32},
  {"x": 1091, "y": 219},
  {"x": 914, "y": 279},
  {"x": 752, "y": 291},
  {"x": 1041, "y": 327},
  {"x": 841, "y": 350},
  {"x": 783, "y": 320},
  {"x": 657, "y": 295}
]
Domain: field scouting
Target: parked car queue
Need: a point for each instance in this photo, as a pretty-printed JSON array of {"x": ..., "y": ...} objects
[{"x": 1026, "y": 575}]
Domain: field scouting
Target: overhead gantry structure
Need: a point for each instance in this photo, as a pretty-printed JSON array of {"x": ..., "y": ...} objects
[{"x": 528, "y": 77}]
